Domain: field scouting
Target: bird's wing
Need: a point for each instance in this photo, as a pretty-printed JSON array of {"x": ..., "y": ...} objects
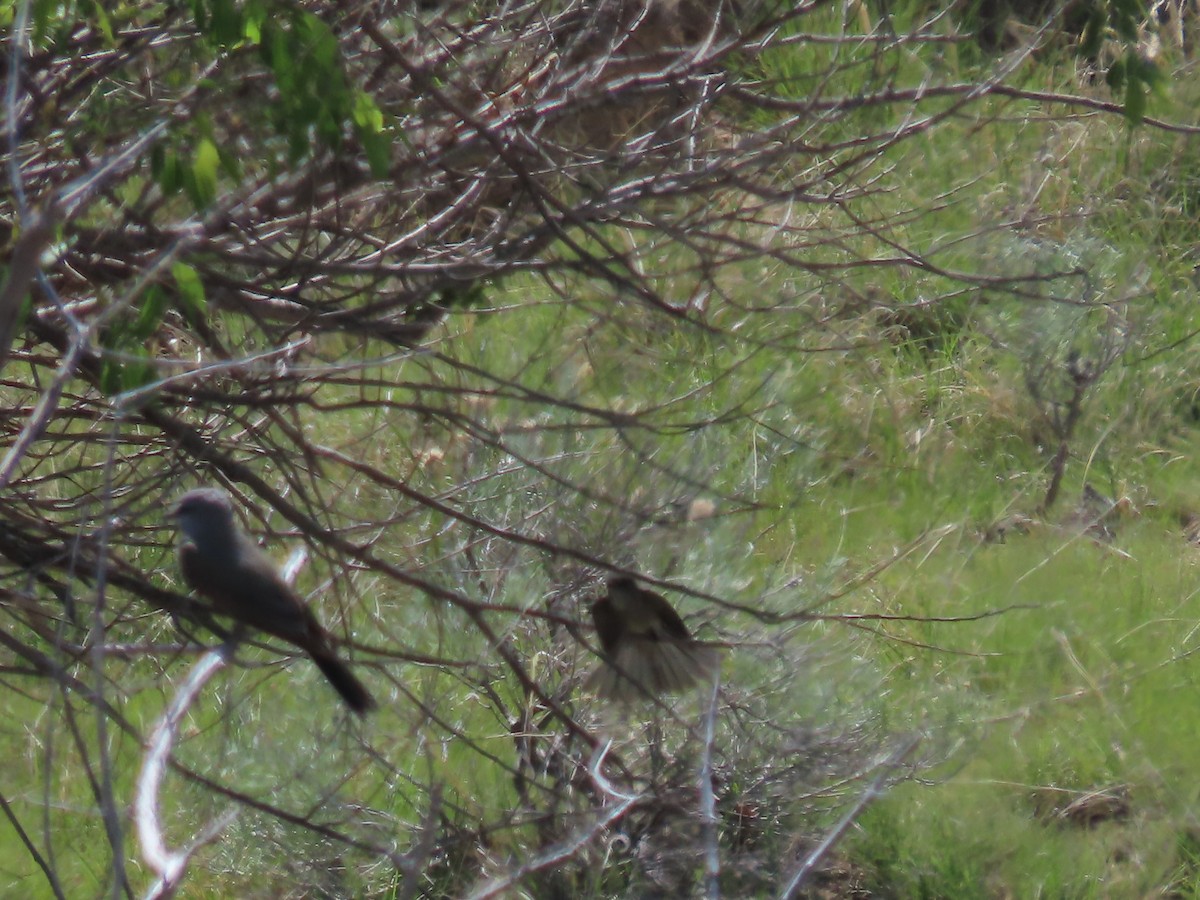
[
  {"x": 250, "y": 590},
  {"x": 666, "y": 667},
  {"x": 657, "y": 656},
  {"x": 669, "y": 625},
  {"x": 205, "y": 579},
  {"x": 608, "y": 625}
]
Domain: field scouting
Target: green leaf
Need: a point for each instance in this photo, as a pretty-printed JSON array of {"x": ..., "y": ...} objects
[
  {"x": 325, "y": 52},
  {"x": 1135, "y": 100},
  {"x": 164, "y": 165},
  {"x": 1093, "y": 33},
  {"x": 42, "y": 11},
  {"x": 279, "y": 57},
  {"x": 200, "y": 179},
  {"x": 466, "y": 296},
  {"x": 125, "y": 336},
  {"x": 200, "y": 15},
  {"x": 119, "y": 376},
  {"x": 191, "y": 291},
  {"x": 378, "y": 147},
  {"x": 150, "y": 314},
  {"x": 1125, "y": 17},
  {"x": 231, "y": 165},
  {"x": 254, "y": 14},
  {"x": 1151, "y": 74},
  {"x": 226, "y": 25},
  {"x": 110, "y": 377},
  {"x": 103, "y": 22},
  {"x": 367, "y": 116},
  {"x": 1115, "y": 77},
  {"x": 314, "y": 101}
]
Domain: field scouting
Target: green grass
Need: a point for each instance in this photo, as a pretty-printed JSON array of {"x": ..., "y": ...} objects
[
  {"x": 1082, "y": 682},
  {"x": 859, "y": 434}
]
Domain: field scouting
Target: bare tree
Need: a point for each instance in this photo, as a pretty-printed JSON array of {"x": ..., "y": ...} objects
[{"x": 249, "y": 247}]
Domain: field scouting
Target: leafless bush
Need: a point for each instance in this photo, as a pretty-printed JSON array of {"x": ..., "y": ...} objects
[{"x": 285, "y": 318}]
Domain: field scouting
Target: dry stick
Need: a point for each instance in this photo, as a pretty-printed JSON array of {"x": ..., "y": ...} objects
[
  {"x": 571, "y": 845},
  {"x": 46, "y": 868},
  {"x": 23, "y": 268},
  {"x": 71, "y": 199},
  {"x": 36, "y": 230},
  {"x": 413, "y": 863},
  {"x": 109, "y": 812},
  {"x": 43, "y": 664},
  {"x": 77, "y": 350},
  {"x": 237, "y": 471},
  {"x": 708, "y": 800},
  {"x": 873, "y": 792},
  {"x": 170, "y": 865}
]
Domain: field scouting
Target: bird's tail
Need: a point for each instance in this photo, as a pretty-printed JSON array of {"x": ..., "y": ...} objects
[
  {"x": 344, "y": 682},
  {"x": 644, "y": 668}
]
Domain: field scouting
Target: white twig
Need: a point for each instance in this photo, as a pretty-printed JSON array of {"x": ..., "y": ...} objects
[
  {"x": 170, "y": 865},
  {"x": 873, "y": 792},
  {"x": 594, "y": 765},
  {"x": 566, "y": 848},
  {"x": 137, "y": 396},
  {"x": 708, "y": 800},
  {"x": 295, "y": 562}
]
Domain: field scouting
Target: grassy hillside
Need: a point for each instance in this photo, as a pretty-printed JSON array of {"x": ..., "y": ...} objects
[
  {"x": 918, "y": 454},
  {"x": 885, "y": 446}
]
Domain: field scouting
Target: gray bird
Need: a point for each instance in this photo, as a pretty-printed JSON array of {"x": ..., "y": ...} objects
[
  {"x": 647, "y": 647},
  {"x": 222, "y": 564}
]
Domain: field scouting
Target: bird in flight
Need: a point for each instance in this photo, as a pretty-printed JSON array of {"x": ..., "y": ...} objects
[{"x": 647, "y": 647}]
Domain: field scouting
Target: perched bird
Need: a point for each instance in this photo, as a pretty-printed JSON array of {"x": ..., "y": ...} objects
[
  {"x": 221, "y": 563},
  {"x": 647, "y": 647}
]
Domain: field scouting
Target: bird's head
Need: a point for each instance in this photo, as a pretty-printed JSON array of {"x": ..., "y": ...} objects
[
  {"x": 622, "y": 583},
  {"x": 625, "y": 595},
  {"x": 204, "y": 515}
]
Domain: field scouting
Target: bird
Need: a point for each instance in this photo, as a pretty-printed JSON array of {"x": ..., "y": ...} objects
[
  {"x": 647, "y": 648},
  {"x": 224, "y": 565}
]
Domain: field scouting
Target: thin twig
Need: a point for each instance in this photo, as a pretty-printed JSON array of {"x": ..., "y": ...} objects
[
  {"x": 708, "y": 800},
  {"x": 572, "y": 844},
  {"x": 873, "y": 792},
  {"x": 170, "y": 865}
]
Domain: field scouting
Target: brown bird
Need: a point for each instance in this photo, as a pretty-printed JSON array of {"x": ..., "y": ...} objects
[
  {"x": 647, "y": 647},
  {"x": 221, "y": 563}
]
